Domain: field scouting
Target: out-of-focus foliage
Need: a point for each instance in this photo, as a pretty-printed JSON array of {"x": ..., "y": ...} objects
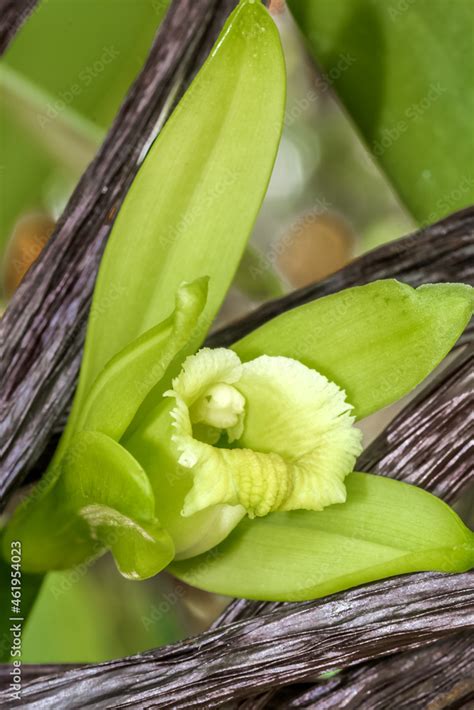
[
  {"x": 90, "y": 614},
  {"x": 63, "y": 78},
  {"x": 86, "y": 54},
  {"x": 404, "y": 72}
]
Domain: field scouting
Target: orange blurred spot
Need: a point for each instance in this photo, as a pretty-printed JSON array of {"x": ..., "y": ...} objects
[
  {"x": 26, "y": 242},
  {"x": 314, "y": 247}
]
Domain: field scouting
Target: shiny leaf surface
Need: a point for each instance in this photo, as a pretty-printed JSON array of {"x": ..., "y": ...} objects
[
  {"x": 385, "y": 528},
  {"x": 376, "y": 341},
  {"x": 404, "y": 72}
]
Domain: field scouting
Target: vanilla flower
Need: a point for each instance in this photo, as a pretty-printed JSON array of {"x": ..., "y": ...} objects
[{"x": 267, "y": 435}]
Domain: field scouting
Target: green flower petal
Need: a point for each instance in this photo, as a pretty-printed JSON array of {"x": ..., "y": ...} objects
[
  {"x": 111, "y": 492},
  {"x": 300, "y": 415},
  {"x": 102, "y": 499},
  {"x": 385, "y": 528},
  {"x": 140, "y": 550},
  {"x": 376, "y": 341},
  {"x": 296, "y": 442},
  {"x": 205, "y": 385},
  {"x": 128, "y": 378}
]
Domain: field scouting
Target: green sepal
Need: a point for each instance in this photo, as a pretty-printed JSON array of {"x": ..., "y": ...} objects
[
  {"x": 102, "y": 499},
  {"x": 127, "y": 379},
  {"x": 140, "y": 549},
  {"x": 385, "y": 528},
  {"x": 193, "y": 203},
  {"x": 377, "y": 341}
]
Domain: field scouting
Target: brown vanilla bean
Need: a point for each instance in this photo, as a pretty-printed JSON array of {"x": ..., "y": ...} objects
[
  {"x": 287, "y": 644},
  {"x": 13, "y": 13},
  {"x": 437, "y": 677},
  {"x": 430, "y": 443}
]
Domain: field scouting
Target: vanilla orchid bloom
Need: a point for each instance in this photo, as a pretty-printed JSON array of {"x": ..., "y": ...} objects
[{"x": 266, "y": 435}]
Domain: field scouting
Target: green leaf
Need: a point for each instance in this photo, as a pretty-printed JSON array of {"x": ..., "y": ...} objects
[
  {"x": 102, "y": 499},
  {"x": 376, "y": 341},
  {"x": 194, "y": 201},
  {"x": 404, "y": 72},
  {"x": 126, "y": 380},
  {"x": 385, "y": 528}
]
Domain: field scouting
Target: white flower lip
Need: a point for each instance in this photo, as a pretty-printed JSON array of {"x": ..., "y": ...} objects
[{"x": 292, "y": 432}]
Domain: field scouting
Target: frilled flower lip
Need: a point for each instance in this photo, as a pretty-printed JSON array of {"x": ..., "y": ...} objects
[{"x": 290, "y": 434}]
